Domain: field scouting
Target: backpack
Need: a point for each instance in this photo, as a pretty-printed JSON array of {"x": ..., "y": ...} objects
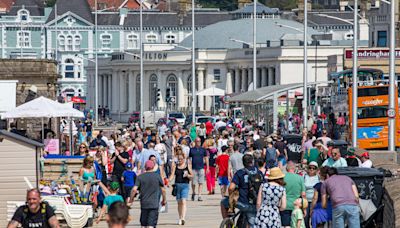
[
  {"x": 271, "y": 157},
  {"x": 254, "y": 181},
  {"x": 25, "y": 212}
]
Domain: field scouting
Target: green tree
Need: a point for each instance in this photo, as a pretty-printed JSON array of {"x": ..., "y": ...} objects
[
  {"x": 224, "y": 5},
  {"x": 281, "y": 4}
]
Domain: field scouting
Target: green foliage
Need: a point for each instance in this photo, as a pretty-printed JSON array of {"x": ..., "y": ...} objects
[
  {"x": 281, "y": 4},
  {"x": 224, "y": 5}
]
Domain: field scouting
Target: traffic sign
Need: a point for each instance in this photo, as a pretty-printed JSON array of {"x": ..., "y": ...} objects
[{"x": 391, "y": 113}]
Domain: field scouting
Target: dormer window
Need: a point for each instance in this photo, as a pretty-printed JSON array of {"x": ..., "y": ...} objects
[{"x": 23, "y": 15}]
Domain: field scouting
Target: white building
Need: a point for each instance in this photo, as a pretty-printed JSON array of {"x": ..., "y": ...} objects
[{"x": 220, "y": 62}]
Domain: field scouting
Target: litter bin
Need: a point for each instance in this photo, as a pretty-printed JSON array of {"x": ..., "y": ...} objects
[
  {"x": 341, "y": 144},
  {"x": 369, "y": 182}
]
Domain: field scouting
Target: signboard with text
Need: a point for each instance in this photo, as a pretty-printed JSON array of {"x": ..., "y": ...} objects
[{"x": 371, "y": 53}]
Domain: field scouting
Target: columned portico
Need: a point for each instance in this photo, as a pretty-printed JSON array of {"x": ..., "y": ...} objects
[
  {"x": 109, "y": 90},
  {"x": 131, "y": 91},
  {"x": 200, "y": 84},
  {"x": 270, "y": 76},
  {"x": 264, "y": 79},
  {"x": 237, "y": 80},
  {"x": 180, "y": 98},
  {"x": 249, "y": 78},
  {"x": 244, "y": 81}
]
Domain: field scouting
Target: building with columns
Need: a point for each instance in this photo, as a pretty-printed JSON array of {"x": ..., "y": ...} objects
[{"x": 223, "y": 60}]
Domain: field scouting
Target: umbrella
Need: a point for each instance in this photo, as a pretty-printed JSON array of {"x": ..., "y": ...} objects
[{"x": 212, "y": 91}]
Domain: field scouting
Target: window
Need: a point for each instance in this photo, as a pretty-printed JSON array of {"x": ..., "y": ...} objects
[
  {"x": 382, "y": 38},
  {"x": 133, "y": 41},
  {"x": 24, "y": 39},
  {"x": 151, "y": 38},
  {"x": 69, "y": 68},
  {"x": 23, "y": 15},
  {"x": 172, "y": 83},
  {"x": 217, "y": 74},
  {"x": 375, "y": 91},
  {"x": 153, "y": 90},
  {"x": 69, "y": 92},
  {"x": 372, "y": 112},
  {"x": 69, "y": 43},
  {"x": 106, "y": 41},
  {"x": 77, "y": 42},
  {"x": 61, "y": 42},
  {"x": 170, "y": 39}
]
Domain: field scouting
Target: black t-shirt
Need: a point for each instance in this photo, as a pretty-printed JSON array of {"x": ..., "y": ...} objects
[
  {"x": 88, "y": 125},
  {"x": 119, "y": 167},
  {"x": 281, "y": 146},
  {"x": 39, "y": 219}
]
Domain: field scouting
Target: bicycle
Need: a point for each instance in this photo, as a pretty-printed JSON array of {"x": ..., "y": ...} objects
[{"x": 234, "y": 220}]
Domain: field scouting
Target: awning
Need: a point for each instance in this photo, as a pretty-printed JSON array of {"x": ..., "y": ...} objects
[
  {"x": 78, "y": 100},
  {"x": 212, "y": 91},
  {"x": 264, "y": 93}
]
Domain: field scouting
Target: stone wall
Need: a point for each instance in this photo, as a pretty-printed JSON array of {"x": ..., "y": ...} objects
[{"x": 41, "y": 74}]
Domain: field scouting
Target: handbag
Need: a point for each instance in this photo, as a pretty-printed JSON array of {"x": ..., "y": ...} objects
[{"x": 174, "y": 190}]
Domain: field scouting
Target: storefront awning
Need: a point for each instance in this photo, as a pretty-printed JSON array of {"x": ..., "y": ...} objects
[{"x": 263, "y": 94}]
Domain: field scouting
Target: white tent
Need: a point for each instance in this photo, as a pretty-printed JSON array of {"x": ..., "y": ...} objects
[
  {"x": 212, "y": 91},
  {"x": 43, "y": 107}
]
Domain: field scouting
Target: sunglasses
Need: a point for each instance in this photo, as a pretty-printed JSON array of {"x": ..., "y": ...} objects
[
  {"x": 312, "y": 168},
  {"x": 82, "y": 147}
]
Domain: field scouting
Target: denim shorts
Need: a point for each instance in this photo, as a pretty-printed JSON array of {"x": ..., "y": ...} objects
[
  {"x": 286, "y": 217},
  {"x": 250, "y": 210},
  {"x": 223, "y": 181},
  {"x": 182, "y": 191}
]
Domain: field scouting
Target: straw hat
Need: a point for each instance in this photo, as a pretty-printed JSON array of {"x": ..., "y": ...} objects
[{"x": 275, "y": 173}]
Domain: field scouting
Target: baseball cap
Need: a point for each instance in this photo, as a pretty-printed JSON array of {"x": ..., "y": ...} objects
[
  {"x": 149, "y": 165},
  {"x": 365, "y": 154},
  {"x": 128, "y": 165}
]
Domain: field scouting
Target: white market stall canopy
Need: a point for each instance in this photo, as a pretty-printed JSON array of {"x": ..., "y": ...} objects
[
  {"x": 212, "y": 91},
  {"x": 42, "y": 107}
]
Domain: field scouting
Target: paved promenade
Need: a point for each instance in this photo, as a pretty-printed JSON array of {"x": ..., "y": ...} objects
[{"x": 199, "y": 214}]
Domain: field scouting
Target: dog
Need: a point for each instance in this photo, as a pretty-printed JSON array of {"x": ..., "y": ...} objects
[{"x": 233, "y": 199}]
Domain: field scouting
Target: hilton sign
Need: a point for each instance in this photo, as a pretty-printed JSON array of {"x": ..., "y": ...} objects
[{"x": 372, "y": 54}]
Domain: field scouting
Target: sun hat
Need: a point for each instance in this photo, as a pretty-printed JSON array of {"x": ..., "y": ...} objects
[
  {"x": 149, "y": 165},
  {"x": 275, "y": 173},
  {"x": 313, "y": 163},
  {"x": 269, "y": 140}
]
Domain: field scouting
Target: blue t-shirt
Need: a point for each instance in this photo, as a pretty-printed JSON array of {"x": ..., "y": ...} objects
[
  {"x": 197, "y": 154},
  {"x": 145, "y": 155},
  {"x": 110, "y": 199},
  {"x": 129, "y": 178},
  {"x": 240, "y": 179}
]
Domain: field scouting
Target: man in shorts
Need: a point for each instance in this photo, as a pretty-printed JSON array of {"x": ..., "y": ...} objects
[
  {"x": 151, "y": 186},
  {"x": 199, "y": 160}
]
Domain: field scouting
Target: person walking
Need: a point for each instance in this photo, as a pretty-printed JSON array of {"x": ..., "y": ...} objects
[
  {"x": 119, "y": 159},
  {"x": 271, "y": 200},
  {"x": 151, "y": 187},
  {"x": 198, "y": 160},
  {"x": 344, "y": 197},
  {"x": 182, "y": 172},
  {"x": 319, "y": 215},
  {"x": 212, "y": 156},
  {"x": 235, "y": 161},
  {"x": 294, "y": 189},
  {"x": 222, "y": 163},
  {"x": 34, "y": 213},
  {"x": 310, "y": 180}
]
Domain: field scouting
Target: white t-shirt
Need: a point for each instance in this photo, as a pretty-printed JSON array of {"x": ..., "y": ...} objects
[{"x": 366, "y": 164}]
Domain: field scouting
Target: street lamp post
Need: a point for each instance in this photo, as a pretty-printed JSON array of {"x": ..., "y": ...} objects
[
  {"x": 355, "y": 76},
  {"x": 141, "y": 63},
  {"x": 194, "y": 97},
  {"x": 254, "y": 44},
  {"x": 392, "y": 85},
  {"x": 96, "y": 78},
  {"x": 305, "y": 65}
]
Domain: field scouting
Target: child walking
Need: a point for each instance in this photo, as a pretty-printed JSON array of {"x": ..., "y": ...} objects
[
  {"x": 300, "y": 205},
  {"x": 128, "y": 178},
  {"x": 222, "y": 163},
  {"x": 111, "y": 197}
]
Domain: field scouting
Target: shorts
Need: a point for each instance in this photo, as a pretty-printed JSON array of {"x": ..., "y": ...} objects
[
  {"x": 198, "y": 176},
  {"x": 149, "y": 217},
  {"x": 250, "y": 210},
  {"x": 223, "y": 181},
  {"x": 286, "y": 217},
  {"x": 225, "y": 202},
  {"x": 182, "y": 191}
]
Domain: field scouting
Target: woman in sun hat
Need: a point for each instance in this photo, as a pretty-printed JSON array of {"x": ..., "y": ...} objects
[{"x": 271, "y": 199}]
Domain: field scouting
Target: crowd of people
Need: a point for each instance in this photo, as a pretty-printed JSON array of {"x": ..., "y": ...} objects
[{"x": 252, "y": 169}]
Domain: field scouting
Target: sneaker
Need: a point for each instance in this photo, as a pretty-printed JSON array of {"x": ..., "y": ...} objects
[
  {"x": 193, "y": 197},
  {"x": 179, "y": 222},
  {"x": 200, "y": 199},
  {"x": 183, "y": 222}
]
